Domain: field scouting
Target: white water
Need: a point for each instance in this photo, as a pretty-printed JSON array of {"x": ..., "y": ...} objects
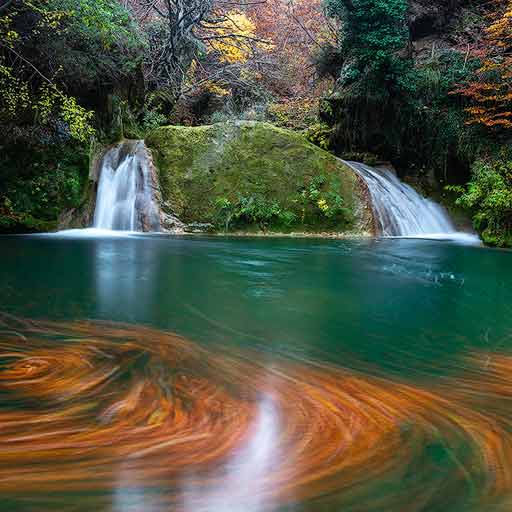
[
  {"x": 125, "y": 192},
  {"x": 401, "y": 212}
]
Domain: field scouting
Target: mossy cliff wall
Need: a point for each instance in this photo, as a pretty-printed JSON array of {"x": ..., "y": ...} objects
[
  {"x": 82, "y": 215},
  {"x": 255, "y": 177}
]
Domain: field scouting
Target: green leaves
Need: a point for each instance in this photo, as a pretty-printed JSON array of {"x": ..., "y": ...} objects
[
  {"x": 322, "y": 197},
  {"x": 372, "y": 33},
  {"x": 320, "y": 134},
  {"x": 489, "y": 196},
  {"x": 100, "y": 41},
  {"x": 67, "y": 53},
  {"x": 39, "y": 184},
  {"x": 319, "y": 200},
  {"x": 254, "y": 209}
]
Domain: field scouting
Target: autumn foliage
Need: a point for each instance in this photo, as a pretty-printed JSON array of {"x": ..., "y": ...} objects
[
  {"x": 298, "y": 30},
  {"x": 490, "y": 93}
]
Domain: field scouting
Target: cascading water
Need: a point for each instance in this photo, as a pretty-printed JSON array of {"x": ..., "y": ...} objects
[
  {"x": 125, "y": 199},
  {"x": 401, "y": 212}
]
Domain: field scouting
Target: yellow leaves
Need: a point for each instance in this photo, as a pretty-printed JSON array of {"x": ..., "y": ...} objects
[
  {"x": 51, "y": 100},
  {"x": 11, "y": 37},
  {"x": 216, "y": 89},
  {"x": 250, "y": 74},
  {"x": 8, "y": 36},
  {"x": 45, "y": 104},
  {"x": 491, "y": 118},
  {"x": 160, "y": 414},
  {"x": 476, "y": 111},
  {"x": 488, "y": 65},
  {"x": 53, "y": 19},
  {"x": 14, "y": 94},
  {"x": 296, "y": 114},
  {"x": 503, "y": 123},
  {"x": 322, "y": 204},
  {"x": 5, "y": 72},
  {"x": 234, "y": 39},
  {"x": 501, "y": 28},
  {"x": 15, "y": 98},
  {"x": 37, "y": 98},
  {"x": 193, "y": 67},
  {"x": 78, "y": 118}
]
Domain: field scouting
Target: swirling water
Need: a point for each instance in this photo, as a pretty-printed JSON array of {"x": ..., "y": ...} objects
[{"x": 144, "y": 372}]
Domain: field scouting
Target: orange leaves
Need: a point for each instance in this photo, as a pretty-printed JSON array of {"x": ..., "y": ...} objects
[
  {"x": 94, "y": 409},
  {"x": 491, "y": 92},
  {"x": 297, "y": 29}
]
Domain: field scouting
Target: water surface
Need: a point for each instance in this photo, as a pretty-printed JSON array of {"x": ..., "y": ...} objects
[{"x": 158, "y": 373}]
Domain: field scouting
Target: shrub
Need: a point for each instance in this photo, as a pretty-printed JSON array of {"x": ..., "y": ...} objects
[
  {"x": 320, "y": 134},
  {"x": 40, "y": 182},
  {"x": 372, "y": 33},
  {"x": 249, "y": 210},
  {"x": 324, "y": 200},
  {"x": 318, "y": 203},
  {"x": 299, "y": 114},
  {"x": 153, "y": 119},
  {"x": 489, "y": 196}
]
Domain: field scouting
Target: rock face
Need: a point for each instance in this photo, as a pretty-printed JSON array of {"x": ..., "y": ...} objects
[
  {"x": 248, "y": 175},
  {"x": 125, "y": 198},
  {"x": 431, "y": 17},
  {"x": 169, "y": 222},
  {"x": 133, "y": 160},
  {"x": 239, "y": 177},
  {"x": 83, "y": 216}
]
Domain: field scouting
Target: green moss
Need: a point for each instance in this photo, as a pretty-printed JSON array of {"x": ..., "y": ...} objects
[
  {"x": 254, "y": 173},
  {"x": 38, "y": 183}
]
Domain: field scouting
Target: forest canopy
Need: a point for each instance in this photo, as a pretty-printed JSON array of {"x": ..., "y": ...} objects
[{"x": 426, "y": 86}]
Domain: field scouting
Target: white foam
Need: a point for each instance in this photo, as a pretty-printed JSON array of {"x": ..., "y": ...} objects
[
  {"x": 401, "y": 212},
  {"x": 89, "y": 233},
  {"x": 458, "y": 237}
]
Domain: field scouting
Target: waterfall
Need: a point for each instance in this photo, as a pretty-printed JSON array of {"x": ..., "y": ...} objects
[
  {"x": 401, "y": 212},
  {"x": 125, "y": 199}
]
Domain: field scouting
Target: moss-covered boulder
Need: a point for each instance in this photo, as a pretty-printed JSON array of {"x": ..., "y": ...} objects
[{"x": 253, "y": 176}]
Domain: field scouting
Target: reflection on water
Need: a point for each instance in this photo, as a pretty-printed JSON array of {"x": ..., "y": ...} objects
[
  {"x": 247, "y": 473},
  {"x": 306, "y": 376},
  {"x": 123, "y": 276}
]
